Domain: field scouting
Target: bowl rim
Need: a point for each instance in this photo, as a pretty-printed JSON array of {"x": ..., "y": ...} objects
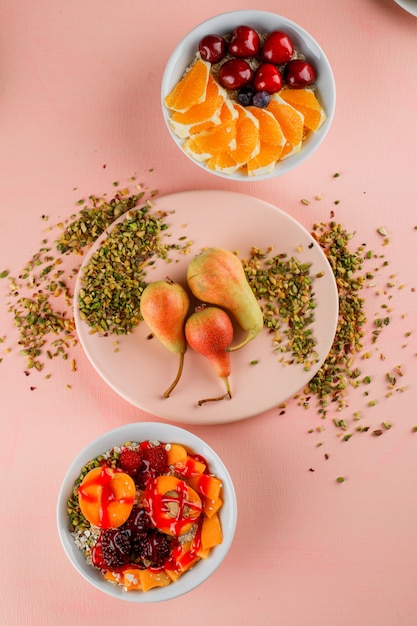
[
  {"x": 166, "y": 433},
  {"x": 241, "y": 16}
]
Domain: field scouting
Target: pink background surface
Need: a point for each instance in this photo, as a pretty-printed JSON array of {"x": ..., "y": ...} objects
[{"x": 79, "y": 91}]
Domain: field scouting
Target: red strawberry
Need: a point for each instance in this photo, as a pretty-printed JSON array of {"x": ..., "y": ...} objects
[
  {"x": 155, "y": 460},
  {"x": 130, "y": 461}
]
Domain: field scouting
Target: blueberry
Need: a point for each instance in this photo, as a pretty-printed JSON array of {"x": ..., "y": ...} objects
[
  {"x": 261, "y": 99},
  {"x": 245, "y": 96}
]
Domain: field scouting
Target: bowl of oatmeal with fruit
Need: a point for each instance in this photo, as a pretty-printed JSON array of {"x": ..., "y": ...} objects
[
  {"x": 248, "y": 95},
  {"x": 147, "y": 512}
]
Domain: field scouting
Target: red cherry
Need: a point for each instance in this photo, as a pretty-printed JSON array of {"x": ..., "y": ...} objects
[
  {"x": 244, "y": 42},
  {"x": 235, "y": 74},
  {"x": 299, "y": 73},
  {"x": 278, "y": 48},
  {"x": 212, "y": 48},
  {"x": 267, "y": 78}
]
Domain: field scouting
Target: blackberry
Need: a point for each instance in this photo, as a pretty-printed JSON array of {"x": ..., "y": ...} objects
[
  {"x": 115, "y": 547},
  {"x": 155, "y": 547},
  {"x": 138, "y": 523}
]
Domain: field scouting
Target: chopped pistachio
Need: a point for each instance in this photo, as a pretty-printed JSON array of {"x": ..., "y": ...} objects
[{"x": 283, "y": 287}]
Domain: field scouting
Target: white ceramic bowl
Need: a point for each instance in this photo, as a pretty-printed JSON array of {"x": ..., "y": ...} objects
[
  {"x": 408, "y": 5},
  {"x": 263, "y": 22},
  {"x": 165, "y": 433}
]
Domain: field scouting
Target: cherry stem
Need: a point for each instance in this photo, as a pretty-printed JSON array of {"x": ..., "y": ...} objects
[{"x": 177, "y": 377}]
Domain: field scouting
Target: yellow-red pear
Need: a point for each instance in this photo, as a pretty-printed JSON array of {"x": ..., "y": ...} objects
[
  {"x": 217, "y": 276},
  {"x": 209, "y": 331},
  {"x": 164, "y": 306}
]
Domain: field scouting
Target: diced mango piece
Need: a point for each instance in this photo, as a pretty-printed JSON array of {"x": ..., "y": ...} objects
[
  {"x": 211, "y": 532},
  {"x": 176, "y": 453},
  {"x": 183, "y": 557},
  {"x": 149, "y": 579},
  {"x": 203, "y": 554},
  {"x": 189, "y": 467},
  {"x": 113, "y": 577},
  {"x": 131, "y": 579},
  {"x": 173, "y": 574},
  {"x": 210, "y": 507},
  {"x": 206, "y": 485}
]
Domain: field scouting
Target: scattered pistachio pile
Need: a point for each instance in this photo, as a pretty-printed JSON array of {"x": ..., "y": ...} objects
[
  {"x": 342, "y": 369},
  {"x": 331, "y": 381},
  {"x": 283, "y": 287},
  {"x": 40, "y": 298},
  {"x": 114, "y": 278}
]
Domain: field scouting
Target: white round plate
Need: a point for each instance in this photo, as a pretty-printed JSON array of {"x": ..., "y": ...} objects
[
  {"x": 141, "y": 369},
  {"x": 408, "y": 5}
]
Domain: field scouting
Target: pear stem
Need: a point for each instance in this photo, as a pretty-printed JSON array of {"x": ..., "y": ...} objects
[
  {"x": 177, "y": 377},
  {"x": 226, "y": 382},
  {"x": 228, "y": 393},
  {"x": 251, "y": 335}
]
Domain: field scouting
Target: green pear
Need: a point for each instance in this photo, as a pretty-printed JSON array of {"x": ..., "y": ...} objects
[
  {"x": 209, "y": 331},
  {"x": 216, "y": 276},
  {"x": 164, "y": 306}
]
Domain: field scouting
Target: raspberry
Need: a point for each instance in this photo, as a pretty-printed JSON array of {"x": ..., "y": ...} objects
[
  {"x": 155, "y": 460},
  {"x": 115, "y": 547},
  {"x": 130, "y": 461},
  {"x": 155, "y": 547}
]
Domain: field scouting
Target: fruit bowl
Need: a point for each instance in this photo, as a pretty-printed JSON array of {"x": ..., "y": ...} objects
[
  {"x": 202, "y": 568},
  {"x": 208, "y": 123}
]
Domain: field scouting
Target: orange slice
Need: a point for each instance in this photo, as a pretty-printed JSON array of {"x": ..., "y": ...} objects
[
  {"x": 247, "y": 144},
  {"x": 191, "y": 89},
  {"x": 226, "y": 114},
  {"x": 221, "y": 138},
  {"x": 206, "y": 112},
  {"x": 291, "y": 122},
  {"x": 272, "y": 141},
  {"x": 305, "y": 101}
]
